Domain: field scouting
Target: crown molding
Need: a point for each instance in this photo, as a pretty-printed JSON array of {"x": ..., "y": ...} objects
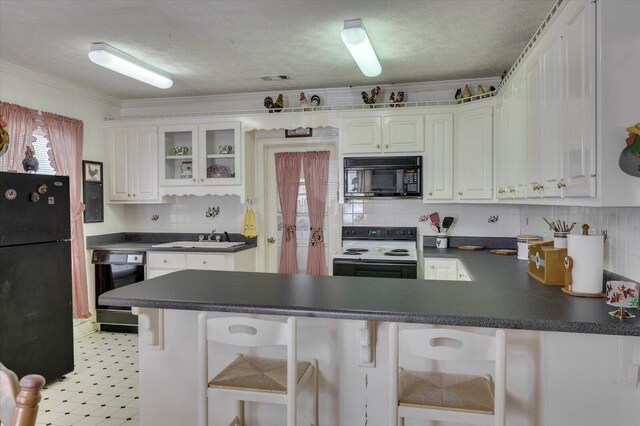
[{"x": 9, "y": 68}]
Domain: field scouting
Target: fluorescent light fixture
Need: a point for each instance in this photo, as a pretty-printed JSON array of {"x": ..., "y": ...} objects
[
  {"x": 357, "y": 41},
  {"x": 118, "y": 61}
]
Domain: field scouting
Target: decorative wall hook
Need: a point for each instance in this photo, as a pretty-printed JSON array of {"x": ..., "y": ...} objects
[
  {"x": 155, "y": 217},
  {"x": 212, "y": 212},
  {"x": 493, "y": 219},
  {"x": 423, "y": 218}
]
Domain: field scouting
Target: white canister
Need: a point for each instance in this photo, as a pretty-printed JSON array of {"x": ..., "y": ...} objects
[
  {"x": 523, "y": 245},
  {"x": 442, "y": 241},
  {"x": 560, "y": 239},
  {"x": 587, "y": 253}
]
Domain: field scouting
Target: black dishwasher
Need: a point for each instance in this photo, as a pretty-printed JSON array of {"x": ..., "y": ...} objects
[{"x": 116, "y": 269}]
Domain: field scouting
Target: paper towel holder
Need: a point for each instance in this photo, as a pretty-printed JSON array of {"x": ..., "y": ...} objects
[{"x": 568, "y": 281}]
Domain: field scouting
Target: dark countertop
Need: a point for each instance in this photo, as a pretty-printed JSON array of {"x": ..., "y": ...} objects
[
  {"x": 501, "y": 296},
  {"x": 143, "y": 241}
]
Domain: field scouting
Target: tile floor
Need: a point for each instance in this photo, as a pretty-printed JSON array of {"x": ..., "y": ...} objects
[{"x": 103, "y": 388}]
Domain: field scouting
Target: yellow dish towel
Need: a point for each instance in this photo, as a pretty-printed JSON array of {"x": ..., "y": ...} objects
[{"x": 249, "y": 224}]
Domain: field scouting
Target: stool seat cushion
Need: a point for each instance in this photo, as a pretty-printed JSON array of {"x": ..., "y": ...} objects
[
  {"x": 257, "y": 374},
  {"x": 458, "y": 392}
]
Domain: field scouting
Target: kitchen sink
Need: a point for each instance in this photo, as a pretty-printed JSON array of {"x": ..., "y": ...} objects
[{"x": 200, "y": 244}]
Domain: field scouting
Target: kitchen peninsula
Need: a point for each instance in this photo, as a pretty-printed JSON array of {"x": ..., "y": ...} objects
[{"x": 346, "y": 331}]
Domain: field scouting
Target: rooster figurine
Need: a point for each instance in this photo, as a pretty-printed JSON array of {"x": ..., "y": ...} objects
[
  {"x": 274, "y": 106},
  {"x": 373, "y": 98},
  {"x": 458, "y": 94},
  {"x": 393, "y": 99},
  {"x": 4, "y": 136},
  {"x": 306, "y": 104}
]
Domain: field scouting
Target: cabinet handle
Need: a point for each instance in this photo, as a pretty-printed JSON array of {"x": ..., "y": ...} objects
[
  {"x": 134, "y": 195},
  {"x": 460, "y": 193},
  {"x": 386, "y": 146},
  {"x": 512, "y": 189},
  {"x": 165, "y": 261},
  {"x": 377, "y": 146},
  {"x": 271, "y": 240},
  {"x": 501, "y": 191},
  {"x": 561, "y": 185}
]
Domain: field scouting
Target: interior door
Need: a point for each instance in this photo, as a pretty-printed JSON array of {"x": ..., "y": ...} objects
[{"x": 273, "y": 215}]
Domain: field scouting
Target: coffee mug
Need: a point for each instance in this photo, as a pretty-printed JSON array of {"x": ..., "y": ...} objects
[
  {"x": 181, "y": 150},
  {"x": 225, "y": 149}
]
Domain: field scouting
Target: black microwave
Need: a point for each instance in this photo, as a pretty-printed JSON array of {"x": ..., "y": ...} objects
[{"x": 383, "y": 177}]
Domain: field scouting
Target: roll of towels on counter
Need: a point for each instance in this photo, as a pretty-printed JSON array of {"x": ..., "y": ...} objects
[{"x": 587, "y": 252}]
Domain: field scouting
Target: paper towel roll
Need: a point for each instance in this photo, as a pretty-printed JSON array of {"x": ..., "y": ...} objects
[{"x": 587, "y": 252}]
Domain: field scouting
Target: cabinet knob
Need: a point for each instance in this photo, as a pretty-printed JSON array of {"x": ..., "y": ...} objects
[
  {"x": 561, "y": 185},
  {"x": 201, "y": 179},
  {"x": 500, "y": 191},
  {"x": 271, "y": 240},
  {"x": 386, "y": 146},
  {"x": 433, "y": 267},
  {"x": 377, "y": 146},
  {"x": 195, "y": 180},
  {"x": 461, "y": 275},
  {"x": 512, "y": 189},
  {"x": 165, "y": 261},
  {"x": 430, "y": 193},
  {"x": 204, "y": 262},
  {"x": 129, "y": 195},
  {"x": 460, "y": 193},
  {"x": 134, "y": 195}
]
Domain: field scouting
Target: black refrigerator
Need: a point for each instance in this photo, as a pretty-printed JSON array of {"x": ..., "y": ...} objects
[{"x": 36, "y": 326}]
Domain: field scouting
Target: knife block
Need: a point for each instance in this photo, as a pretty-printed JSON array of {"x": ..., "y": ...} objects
[{"x": 546, "y": 263}]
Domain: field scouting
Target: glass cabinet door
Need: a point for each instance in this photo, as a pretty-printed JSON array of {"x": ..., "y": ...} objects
[
  {"x": 178, "y": 155},
  {"x": 219, "y": 159}
]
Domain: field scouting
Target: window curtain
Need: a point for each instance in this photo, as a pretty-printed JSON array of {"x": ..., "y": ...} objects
[
  {"x": 288, "y": 180},
  {"x": 316, "y": 177},
  {"x": 65, "y": 135},
  {"x": 21, "y": 122}
]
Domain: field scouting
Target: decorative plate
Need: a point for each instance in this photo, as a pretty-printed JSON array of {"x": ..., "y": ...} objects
[{"x": 217, "y": 171}]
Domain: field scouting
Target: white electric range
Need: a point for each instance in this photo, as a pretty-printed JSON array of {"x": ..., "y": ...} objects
[{"x": 387, "y": 252}]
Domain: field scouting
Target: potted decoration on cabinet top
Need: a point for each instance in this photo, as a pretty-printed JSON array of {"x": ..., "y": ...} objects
[{"x": 630, "y": 156}]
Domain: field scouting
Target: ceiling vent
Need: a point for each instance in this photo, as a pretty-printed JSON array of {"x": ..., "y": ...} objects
[{"x": 274, "y": 77}]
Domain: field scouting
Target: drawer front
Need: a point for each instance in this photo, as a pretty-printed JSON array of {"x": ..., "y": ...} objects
[
  {"x": 166, "y": 260},
  {"x": 215, "y": 262},
  {"x": 153, "y": 273}
]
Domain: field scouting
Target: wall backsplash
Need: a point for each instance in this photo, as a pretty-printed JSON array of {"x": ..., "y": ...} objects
[
  {"x": 187, "y": 214},
  {"x": 622, "y": 249}
]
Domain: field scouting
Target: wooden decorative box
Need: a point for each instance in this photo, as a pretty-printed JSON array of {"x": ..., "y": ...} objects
[{"x": 546, "y": 263}]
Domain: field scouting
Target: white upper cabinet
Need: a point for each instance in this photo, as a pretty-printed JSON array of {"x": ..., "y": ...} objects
[
  {"x": 438, "y": 170},
  {"x": 133, "y": 164},
  {"x": 549, "y": 101},
  {"x": 504, "y": 163},
  {"x": 473, "y": 152},
  {"x": 397, "y": 133},
  {"x": 578, "y": 98},
  {"x": 519, "y": 136},
  {"x": 361, "y": 135},
  {"x": 200, "y": 159}
]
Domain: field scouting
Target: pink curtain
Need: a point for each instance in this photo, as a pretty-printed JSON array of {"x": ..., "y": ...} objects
[
  {"x": 316, "y": 177},
  {"x": 65, "y": 135},
  {"x": 288, "y": 179},
  {"x": 21, "y": 122}
]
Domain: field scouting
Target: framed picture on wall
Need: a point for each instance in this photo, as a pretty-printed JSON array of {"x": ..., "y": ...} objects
[
  {"x": 92, "y": 192},
  {"x": 92, "y": 171}
]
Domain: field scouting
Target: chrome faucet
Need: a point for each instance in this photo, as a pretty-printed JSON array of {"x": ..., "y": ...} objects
[{"x": 210, "y": 237}]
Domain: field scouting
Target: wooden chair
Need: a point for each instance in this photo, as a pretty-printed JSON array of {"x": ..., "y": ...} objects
[
  {"x": 464, "y": 398},
  {"x": 250, "y": 378},
  {"x": 19, "y": 401}
]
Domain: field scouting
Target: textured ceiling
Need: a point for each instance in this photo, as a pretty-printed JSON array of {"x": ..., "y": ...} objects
[{"x": 223, "y": 46}]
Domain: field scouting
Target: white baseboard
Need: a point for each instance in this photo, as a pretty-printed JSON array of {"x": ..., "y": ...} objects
[{"x": 83, "y": 327}]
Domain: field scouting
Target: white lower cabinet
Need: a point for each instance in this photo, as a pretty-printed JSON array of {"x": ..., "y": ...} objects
[
  {"x": 445, "y": 270},
  {"x": 162, "y": 263}
]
